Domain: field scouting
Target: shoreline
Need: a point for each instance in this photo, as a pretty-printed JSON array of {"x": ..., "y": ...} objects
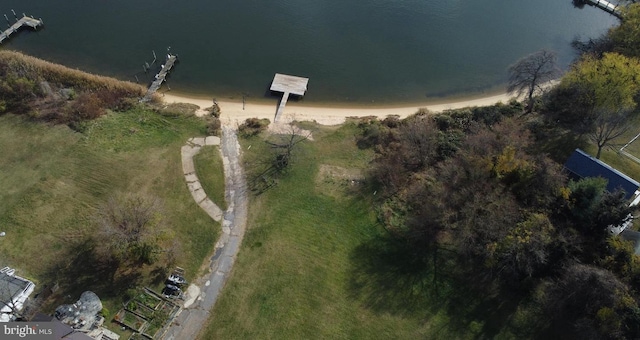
[{"x": 234, "y": 112}]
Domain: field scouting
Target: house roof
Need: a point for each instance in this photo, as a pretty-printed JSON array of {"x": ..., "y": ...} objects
[
  {"x": 10, "y": 286},
  {"x": 583, "y": 165},
  {"x": 12, "y": 290}
]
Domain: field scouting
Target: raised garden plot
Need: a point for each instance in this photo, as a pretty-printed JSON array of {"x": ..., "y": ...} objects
[
  {"x": 131, "y": 320},
  {"x": 139, "y": 336},
  {"x": 141, "y": 309},
  {"x": 149, "y": 300}
]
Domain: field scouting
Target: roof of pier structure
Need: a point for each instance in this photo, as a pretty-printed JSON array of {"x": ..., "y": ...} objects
[{"x": 289, "y": 84}]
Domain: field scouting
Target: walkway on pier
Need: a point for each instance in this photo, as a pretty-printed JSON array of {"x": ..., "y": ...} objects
[
  {"x": 25, "y": 21},
  {"x": 287, "y": 84},
  {"x": 160, "y": 77},
  {"x": 606, "y": 6}
]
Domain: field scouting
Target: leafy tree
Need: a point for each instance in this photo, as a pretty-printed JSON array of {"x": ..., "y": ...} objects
[
  {"x": 584, "y": 196},
  {"x": 587, "y": 302},
  {"x": 528, "y": 74},
  {"x": 626, "y": 36},
  {"x": 619, "y": 257},
  {"x": 606, "y": 89},
  {"x": 592, "y": 208},
  {"x": 524, "y": 250}
]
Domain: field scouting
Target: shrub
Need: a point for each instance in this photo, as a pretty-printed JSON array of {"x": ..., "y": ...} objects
[
  {"x": 213, "y": 126},
  {"x": 253, "y": 126}
]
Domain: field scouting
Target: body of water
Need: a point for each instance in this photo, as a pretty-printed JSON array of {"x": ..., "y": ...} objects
[{"x": 381, "y": 51}]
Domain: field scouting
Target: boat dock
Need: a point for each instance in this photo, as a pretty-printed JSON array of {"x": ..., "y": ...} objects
[
  {"x": 25, "y": 21},
  {"x": 287, "y": 84},
  {"x": 606, "y": 6},
  {"x": 160, "y": 77}
]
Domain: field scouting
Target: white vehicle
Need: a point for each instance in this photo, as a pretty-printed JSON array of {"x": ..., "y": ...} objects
[{"x": 176, "y": 280}]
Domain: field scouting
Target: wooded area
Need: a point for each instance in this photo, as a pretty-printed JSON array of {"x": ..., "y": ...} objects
[{"x": 474, "y": 199}]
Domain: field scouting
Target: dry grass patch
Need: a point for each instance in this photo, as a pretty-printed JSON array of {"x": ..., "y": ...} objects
[{"x": 336, "y": 181}]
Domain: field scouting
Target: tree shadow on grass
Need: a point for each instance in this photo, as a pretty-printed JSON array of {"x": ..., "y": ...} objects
[
  {"x": 559, "y": 143},
  {"x": 81, "y": 270},
  {"x": 387, "y": 276}
]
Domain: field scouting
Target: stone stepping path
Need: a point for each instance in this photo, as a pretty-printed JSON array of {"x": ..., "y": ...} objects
[{"x": 188, "y": 151}]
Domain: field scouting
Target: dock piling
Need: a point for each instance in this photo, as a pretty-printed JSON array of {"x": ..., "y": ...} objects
[
  {"x": 25, "y": 21},
  {"x": 160, "y": 78}
]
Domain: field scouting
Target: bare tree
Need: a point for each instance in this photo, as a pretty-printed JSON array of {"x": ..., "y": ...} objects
[
  {"x": 528, "y": 74},
  {"x": 130, "y": 227},
  {"x": 278, "y": 161},
  {"x": 609, "y": 124}
]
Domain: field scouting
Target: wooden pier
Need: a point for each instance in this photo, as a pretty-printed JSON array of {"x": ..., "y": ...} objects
[
  {"x": 160, "y": 77},
  {"x": 25, "y": 21},
  {"x": 606, "y": 6},
  {"x": 287, "y": 84}
]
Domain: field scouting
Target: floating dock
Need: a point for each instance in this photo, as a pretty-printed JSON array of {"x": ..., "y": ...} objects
[
  {"x": 606, "y": 6},
  {"x": 25, "y": 21},
  {"x": 287, "y": 84},
  {"x": 160, "y": 77}
]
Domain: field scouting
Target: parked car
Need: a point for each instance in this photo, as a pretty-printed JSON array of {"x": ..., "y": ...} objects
[
  {"x": 171, "y": 290},
  {"x": 176, "y": 280}
]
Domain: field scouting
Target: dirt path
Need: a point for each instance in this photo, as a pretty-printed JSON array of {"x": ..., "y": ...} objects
[{"x": 188, "y": 324}]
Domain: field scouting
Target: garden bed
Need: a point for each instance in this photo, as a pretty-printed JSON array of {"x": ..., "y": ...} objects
[
  {"x": 149, "y": 300},
  {"x": 140, "y": 309},
  {"x": 131, "y": 320}
]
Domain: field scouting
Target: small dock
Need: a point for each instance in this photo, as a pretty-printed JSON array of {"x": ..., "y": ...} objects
[
  {"x": 605, "y": 6},
  {"x": 288, "y": 85},
  {"x": 25, "y": 21},
  {"x": 160, "y": 77}
]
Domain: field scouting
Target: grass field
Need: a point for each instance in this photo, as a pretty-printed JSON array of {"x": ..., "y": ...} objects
[
  {"x": 208, "y": 163},
  {"x": 53, "y": 180},
  {"x": 309, "y": 267},
  {"x": 559, "y": 144},
  {"x": 620, "y": 161}
]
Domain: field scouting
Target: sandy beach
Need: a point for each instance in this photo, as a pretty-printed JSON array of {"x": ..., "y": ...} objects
[{"x": 233, "y": 113}]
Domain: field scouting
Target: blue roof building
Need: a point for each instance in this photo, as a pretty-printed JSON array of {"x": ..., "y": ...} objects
[{"x": 581, "y": 165}]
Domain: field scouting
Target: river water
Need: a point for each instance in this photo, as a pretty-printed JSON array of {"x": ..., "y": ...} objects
[{"x": 353, "y": 51}]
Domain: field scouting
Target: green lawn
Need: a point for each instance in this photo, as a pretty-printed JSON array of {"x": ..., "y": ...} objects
[
  {"x": 309, "y": 267},
  {"x": 208, "y": 163},
  {"x": 611, "y": 156},
  {"x": 53, "y": 179}
]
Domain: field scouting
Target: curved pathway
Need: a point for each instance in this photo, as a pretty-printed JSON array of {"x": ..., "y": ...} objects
[
  {"x": 188, "y": 151},
  {"x": 194, "y": 316}
]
